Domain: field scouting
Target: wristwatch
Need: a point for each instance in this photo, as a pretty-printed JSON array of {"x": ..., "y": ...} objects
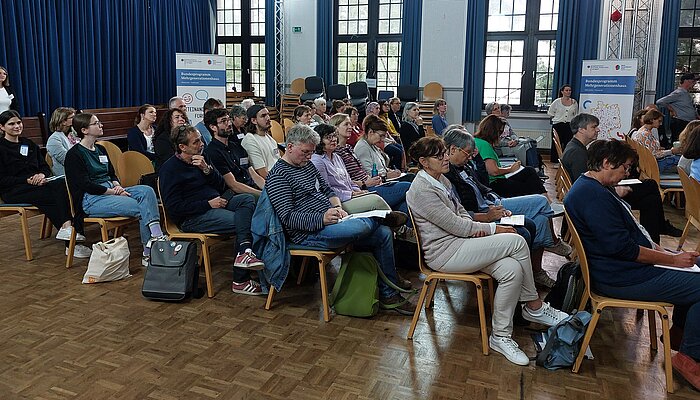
[{"x": 207, "y": 170}]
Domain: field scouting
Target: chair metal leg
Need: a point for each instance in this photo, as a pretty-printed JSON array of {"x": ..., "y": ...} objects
[
  {"x": 25, "y": 236},
  {"x": 207, "y": 270},
  {"x": 324, "y": 288},
  {"x": 587, "y": 338},
  {"x": 271, "y": 293},
  {"x": 652, "y": 330},
  {"x": 302, "y": 270},
  {"x": 416, "y": 314},
  {"x": 431, "y": 294},
  {"x": 667, "y": 353},
  {"x": 482, "y": 319}
]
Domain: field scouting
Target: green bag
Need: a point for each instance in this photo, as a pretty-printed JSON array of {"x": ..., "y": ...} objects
[{"x": 356, "y": 291}]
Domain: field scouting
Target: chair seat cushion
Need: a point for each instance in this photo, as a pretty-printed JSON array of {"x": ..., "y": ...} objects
[
  {"x": 671, "y": 185},
  {"x": 669, "y": 176},
  {"x": 16, "y": 205}
]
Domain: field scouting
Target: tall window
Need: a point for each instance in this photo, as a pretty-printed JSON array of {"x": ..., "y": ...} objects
[
  {"x": 240, "y": 30},
  {"x": 368, "y": 41},
  {"x": 520, "y": 48},
  {"x": 688, "y": 56}
]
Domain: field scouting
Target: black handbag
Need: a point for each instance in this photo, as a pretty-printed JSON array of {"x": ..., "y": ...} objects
[{"x": 173, "y": 271}]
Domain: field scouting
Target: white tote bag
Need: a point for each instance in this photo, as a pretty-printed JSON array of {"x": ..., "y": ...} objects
[{"x": 109, "y": 261}]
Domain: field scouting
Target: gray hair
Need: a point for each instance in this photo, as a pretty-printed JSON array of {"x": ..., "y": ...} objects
[
  {"x": 408, "y": 107},
  {"x": 247, "y": 103},
  {"x": 506, "y": 108},
  {"x": 457, "y": 135},
  {"x": 489, "y": 107},
  {"x": 171, "y": 102},
  {"x": 302, "y": 134},
  {"x": 582, "y": 121},
  {"x": 319, "y": 101},
  {"x": 238, "y": 111}
]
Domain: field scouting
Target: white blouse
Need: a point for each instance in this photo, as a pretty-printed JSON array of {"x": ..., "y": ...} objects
[
  {"x": 5, "y": 99},
  {"x": 561, "y": 113}
]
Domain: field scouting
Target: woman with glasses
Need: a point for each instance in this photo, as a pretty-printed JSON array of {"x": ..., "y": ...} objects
[
  {"x": 374, "y": 160},
  {"x": 162, "y": 145},
  {"x": 621, "y": 254},
  {"x": 96, "y": 191},
  {"x": 391, "y": 144},
  {"x": 140, "y": 137},
  {"x": 62, "y": 138},
  {"x": 453, "y": 242},
  {"x": 24, "y": 179}
]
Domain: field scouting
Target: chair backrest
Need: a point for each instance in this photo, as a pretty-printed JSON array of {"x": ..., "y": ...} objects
[
  {"x": 358, "y": 90},
  {"x": 385, "y": 94},
  {"x": 557, "y": 143},
  {"x": 170, "y": 226},
  {"x": 580, "y": 253},
  {"x": 407, "y": 93},
  {"x": 647, "y": 162},
  {"x": 298, "y": 86},
  {"x": 313, "y": 84},
  {"x": 133, "y": 165},
  {"x": 691, "y": 187},
  {"x": 70, "y": 198},
  {"x": 432, "y": 91},
  {"x": 286, "y": 124},
  {"x": 565, "y": 180},
  {"x": 114, "y": 153},
  {"x": 49, "y": 160},
  {"x": 277, "y": 131},
  {"x": 337, "y": 92},
  {"x": 421, "y": 260}
]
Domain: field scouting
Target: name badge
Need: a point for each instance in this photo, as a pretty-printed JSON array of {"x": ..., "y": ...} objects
[
  {"x": 464, "y": 175},
  {"x": 243, "y": 161},
  {"x": 240, "y": 136},
  {"x": 317, "y": 185},
  {"x": 24, "y": 150},
  {"x": 275, "y": 151},
  {"x": 104, "y": 159}
]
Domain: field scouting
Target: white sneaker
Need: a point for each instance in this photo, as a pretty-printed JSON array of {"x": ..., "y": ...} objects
[
  {"x": 546, "y": 315},
  {"x": 509, "y": 348},
  {"x": 64, "y": 234},
  {"x": 80, "y": 251}
]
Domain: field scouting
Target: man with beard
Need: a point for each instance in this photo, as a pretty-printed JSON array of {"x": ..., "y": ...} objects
[
  {"x": 261, "y": 147},
  {"x": 237, "y": 178},
  {"x": 195, "y": 196}
]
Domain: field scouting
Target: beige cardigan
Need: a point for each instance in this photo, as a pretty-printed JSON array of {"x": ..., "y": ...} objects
[{"x": 442, "y": 223}]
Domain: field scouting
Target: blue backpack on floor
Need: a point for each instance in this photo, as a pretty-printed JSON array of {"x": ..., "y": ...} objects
[{"x": 564, "y": 341}]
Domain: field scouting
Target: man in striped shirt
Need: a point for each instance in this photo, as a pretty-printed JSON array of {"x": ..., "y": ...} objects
[{"x": 311, "y": 213}]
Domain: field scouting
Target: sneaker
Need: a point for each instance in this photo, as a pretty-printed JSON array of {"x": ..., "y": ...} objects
[
  {"x": 80, "y": 251},
  {"x": 64, "y": 234},
  {"x": 406, "y": 234},
  {"x": 560, "y": 248},
  {"x": 404, "y": 306},
  {"x": 145, "y": 260},
  {"x": 509, "y": 348},
  {"x": 670, "y": 230},
  {"x": 542, "y": 279},
  {"x": 403, "y": 283},
  {"x": 687, "y": 368},
  {"x": 248, "y": 260},
  {"x": 546, "y": 315},
  {"x": 249, "y": 287},
  {"x": 542, "y": 175},
  {"x": 394, "y": 219}
]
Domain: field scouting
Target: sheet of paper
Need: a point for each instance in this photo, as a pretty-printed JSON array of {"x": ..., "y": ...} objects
[
  {"x": 53, "y": 178},
  {"x": 367, "y": 214},
  {"x": 400, "y": 176},
  {"x": 627, "y": 182},
  {"x": 694, "y": 268},
  {"x": 515, "y": 220},
  {"x": 508, "y": 175}
]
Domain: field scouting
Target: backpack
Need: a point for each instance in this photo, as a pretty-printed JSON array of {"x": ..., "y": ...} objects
[
  {"x": 356, "y": 291},
  {"x": 173, "y": 271},
  {"x": 564, "y": 341},
  {"x": 568, "y": 289}
]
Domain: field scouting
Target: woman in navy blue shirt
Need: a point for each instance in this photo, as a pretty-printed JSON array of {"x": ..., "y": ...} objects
[{"x": 140, "y": 137}]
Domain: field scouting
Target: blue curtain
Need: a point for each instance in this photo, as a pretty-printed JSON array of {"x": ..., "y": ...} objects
[
  {"x": 270, "y": 59},
  {"x": 324, "y": 43},
  {"x": 474, "y": 60},
  {"x": 665, "y": 76},
  {"x": 577, "y": 40},
  {"x": 90, "y": 54},
  {"x": 410, "y": 42}
]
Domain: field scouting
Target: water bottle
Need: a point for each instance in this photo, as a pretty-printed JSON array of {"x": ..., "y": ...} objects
[{"x": 374, "y": 170}]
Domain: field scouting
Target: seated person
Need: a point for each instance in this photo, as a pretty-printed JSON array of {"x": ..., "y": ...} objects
[
  {"x": 523, "y": 148},
  {"x": 62, "y": 138},
  {"x": 140, "y": 137},
  {"x": 521, "y": 183},
  {"x": 310, "y": 212},
  {"x": 337, "y": 106},
  {"x": 262, "y": 148},
  {"x": 96, "y": 191},
  {"x": 162, "y": 146},
  {"x": 356, "y": 131},
  {"x": 439, "y": 120},
  {"x": 453, "y": 242},
  {"x": 667, "y": 159},
  {"x": 23, "y": 173},
  {"x": 644, "y": 197},
  {"x": 223, "y": 157},
  {"x": 302, "y": 115},
  {"x": 210, "y": 104},
  {"x": 239, "y": 119},
  {"x": 320, "y": 116},
  {"x": 411, "y": 125},
  {"x": 621, "y": 254},
  {"x": 332, "y": 169},
  {"x": 195, "y": 197},
  {"x": 374, "y": 161},
  {"x": 488, "y": 206},
  {"x": 391, "y": 144},
  {"x": 684, "y": 138}
]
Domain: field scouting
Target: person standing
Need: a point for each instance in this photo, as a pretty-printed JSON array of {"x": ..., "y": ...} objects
[
  {"x": 7, "y": 95},
  {"x": 562, "y": 111},
  {"x": 680, "y": 105}
]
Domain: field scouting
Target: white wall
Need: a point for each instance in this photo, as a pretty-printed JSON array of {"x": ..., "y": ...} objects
[{"x": 300, "y": 48}]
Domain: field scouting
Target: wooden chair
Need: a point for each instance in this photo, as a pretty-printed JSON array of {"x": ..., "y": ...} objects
[
  {"x": 277, "y": 131},
  {"x": 432, "y": 91},
  {"x": 298, "y": 86},
  {"x": 24, "y": 211},
  {"x": 49, "y": 160},
  {"x": 432, "y": 278},
  {"x": 598, "y": 303},
  {"x": 133, "y": 165},
  {"x": 560, "y": 151},
  {"x": 324, "y": 257},
  {"x": 287, "y": 123},
  {"x": 115, "y": 154},
  {"x": 691, "y": 187},
  {"x": 668, "y": 183},
  {"x": 106, "y": 224},
  {"x": 206, "y": 240}
]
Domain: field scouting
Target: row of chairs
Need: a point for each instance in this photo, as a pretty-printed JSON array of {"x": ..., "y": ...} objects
[{"x": 313, "y": 87}]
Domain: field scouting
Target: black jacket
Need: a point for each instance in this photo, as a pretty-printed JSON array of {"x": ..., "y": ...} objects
[{"x": 465, "y": 192}]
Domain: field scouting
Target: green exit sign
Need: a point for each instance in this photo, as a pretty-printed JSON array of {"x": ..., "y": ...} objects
[{"x": 296, "y": 29}]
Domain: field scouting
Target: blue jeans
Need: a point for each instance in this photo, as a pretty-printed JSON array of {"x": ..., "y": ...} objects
[
  {"x": 536, "y": 207},
  {"x": 394, "y": 194},
  {"x": 682, "y": 289},
  {"x": 668, "y": 164},
  {"x": 362, "y": 232},
  {"x": 234, "y": 219},
  {"x": 395, "y": 153},
  {"x": 142, "y": 204}
]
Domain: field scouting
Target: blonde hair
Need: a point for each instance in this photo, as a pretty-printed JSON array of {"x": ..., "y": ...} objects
[{"x": 59, "y": 116}]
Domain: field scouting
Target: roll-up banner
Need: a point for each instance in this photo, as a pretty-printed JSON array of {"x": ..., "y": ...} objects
[{"x": 199, "y": 77}]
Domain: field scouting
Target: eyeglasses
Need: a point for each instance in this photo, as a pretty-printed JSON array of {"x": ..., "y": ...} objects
[
  {"x": 628, "y": 167},
  {"x": 97, "y": 123},
  {"x": 467, "y": 153},
  {"x": 440, "y": 156},
  {"x": 224, "y": 121}
]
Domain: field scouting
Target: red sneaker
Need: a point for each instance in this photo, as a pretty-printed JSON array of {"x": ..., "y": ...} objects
[
  {"x": 249, "y": 287},
  {"x": 248, "y": 260},
  {"x": 688, "y": 368}
]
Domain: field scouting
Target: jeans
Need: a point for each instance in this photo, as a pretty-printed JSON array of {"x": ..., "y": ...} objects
[
  {"x": 394, "y": 194},
  {"x": 362, "y": 232},
  {"x": 536, "y": 207},
  {"x": 235, "y": 219},
  {"x": 668, "y": 164},
  {"x": 682, "y": 289},
  {"x": 141, "y": 204},
  {"x": 395, "y": 153}
]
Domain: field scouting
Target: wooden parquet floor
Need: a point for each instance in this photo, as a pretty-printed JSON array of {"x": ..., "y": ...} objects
[{"x": 60, "y": 339}]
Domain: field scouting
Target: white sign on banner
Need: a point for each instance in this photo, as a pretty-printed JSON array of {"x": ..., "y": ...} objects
[
  {"x": 607, "y": 91},
  {"x": 199, "y": 77}
]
